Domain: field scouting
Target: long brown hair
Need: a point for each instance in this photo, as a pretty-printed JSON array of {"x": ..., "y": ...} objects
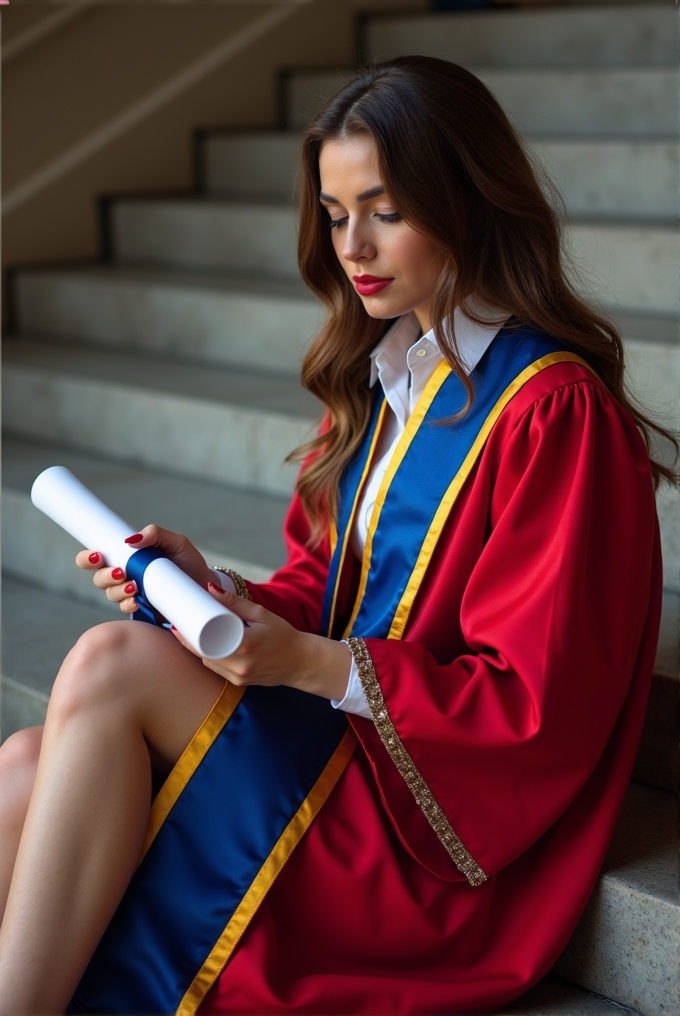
[{"x": 459, "y": 174}]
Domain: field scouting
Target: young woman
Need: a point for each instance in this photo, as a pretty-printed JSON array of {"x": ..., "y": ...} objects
[{"x": 396, "y": 796}]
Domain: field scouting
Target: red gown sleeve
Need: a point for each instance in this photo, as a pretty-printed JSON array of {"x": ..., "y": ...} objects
[{"x": 504, "y": 735}]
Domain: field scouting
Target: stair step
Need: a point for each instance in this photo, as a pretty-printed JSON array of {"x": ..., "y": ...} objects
[
  {"x": 56, "y": 390},
  {"x": 668, "y": 509},
  {"x": 306, "y": 90},
  {"x": 657, "y": 758},
  {"x": 225, "y": 425},
  {"x": 579, "y": 101},
  {"x": 626, "y": 944},
  {"x": 625, "y": 178},
  {"x": 248, "y": 324},
  {"x": 591, "y": 36},
  {"x": 231, "y": 527},
  {"x": 631, "y": 266},
  {"x": 244, "y": 322},
  {"x": 553, "y": 996},
  {"x": 210, "y": 422},
  {"x": 199, "y": 233},
  {"x": 663, "y": 328},
  {"x": 622, "y": 178},
  {"x": 653, "y": 379},
  {"x": 237, "y": 321},
  {"x": 248, "y": 164},
  {"x": 29, "y": 663}
]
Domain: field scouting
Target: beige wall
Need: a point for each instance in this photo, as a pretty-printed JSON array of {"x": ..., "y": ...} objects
[{"x": 102, "y": 63}]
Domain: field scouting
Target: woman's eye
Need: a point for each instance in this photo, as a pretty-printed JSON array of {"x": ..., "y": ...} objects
[{"x": 383, "y": 217}]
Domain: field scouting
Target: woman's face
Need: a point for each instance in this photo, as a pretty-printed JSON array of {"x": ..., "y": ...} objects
[{"x": 393, "y": 268}]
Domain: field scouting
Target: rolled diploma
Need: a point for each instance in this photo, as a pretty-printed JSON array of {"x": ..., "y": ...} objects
[{"x": 213, "y": 630}]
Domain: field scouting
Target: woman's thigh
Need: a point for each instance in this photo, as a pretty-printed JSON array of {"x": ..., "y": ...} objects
[{"x": 136, "y": 674}]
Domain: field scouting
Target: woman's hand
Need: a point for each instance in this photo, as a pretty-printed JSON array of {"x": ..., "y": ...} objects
[
  {"x": 273, "y": 652},
  {"x": 113, "y": 580}
]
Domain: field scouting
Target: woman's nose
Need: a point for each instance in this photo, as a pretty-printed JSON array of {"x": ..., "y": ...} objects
[{"x": 358, "y": 245}]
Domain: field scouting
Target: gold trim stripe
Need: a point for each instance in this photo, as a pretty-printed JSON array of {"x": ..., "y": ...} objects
[
  {"x": 190, "y": 759},
  {"x": 348, "y": 529},
  {"x": 403, "y": 611},
  {"x": 439, "y": 376},
  {"x": 407, "y": 769},
  {"x": 264, "y": 879}
]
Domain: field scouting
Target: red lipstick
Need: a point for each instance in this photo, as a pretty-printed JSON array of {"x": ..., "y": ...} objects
[{"x": 369, "y": 285}]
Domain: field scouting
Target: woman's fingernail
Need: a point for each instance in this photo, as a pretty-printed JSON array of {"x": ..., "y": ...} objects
[
  {"x": 117, "y": 573},
  {"x": 135, "y": 539},
  {"x": 173, "y": 629},
  {"x": 213, "y": 585},
  {"x": 130, "y": 587},
  {"x": 93, "y": 558}
]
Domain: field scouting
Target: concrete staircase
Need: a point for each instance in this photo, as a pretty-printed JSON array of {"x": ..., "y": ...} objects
[{"x": 165, "y": 377}]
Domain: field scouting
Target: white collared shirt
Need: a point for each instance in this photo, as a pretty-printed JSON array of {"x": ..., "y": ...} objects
[{"x": 404, "y": 363}]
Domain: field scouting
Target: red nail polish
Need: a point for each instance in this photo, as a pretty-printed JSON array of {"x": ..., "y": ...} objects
[
  {"x": 130, "y": 587},
  {"x": 93, "y": 558},
  {"x": 117, "y": 573},
  {"x": 135, "y": 539},
  {"x": 212, "y": 585}
]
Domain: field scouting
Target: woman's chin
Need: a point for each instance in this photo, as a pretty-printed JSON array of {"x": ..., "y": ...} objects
[{"x": 382, "y": 309}]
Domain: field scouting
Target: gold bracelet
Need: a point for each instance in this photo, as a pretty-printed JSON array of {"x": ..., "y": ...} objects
[{"x": 238, "y": 580}]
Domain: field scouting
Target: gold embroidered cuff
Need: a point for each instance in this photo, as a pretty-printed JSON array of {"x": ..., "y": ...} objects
[
  {"x": 407, "y": 768},
  {"x": 241, "y": 587}
]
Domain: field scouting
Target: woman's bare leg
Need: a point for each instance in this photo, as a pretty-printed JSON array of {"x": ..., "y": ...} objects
[
  {"x": 18, "y": 763},
  {"x": 125, "y": 693}
]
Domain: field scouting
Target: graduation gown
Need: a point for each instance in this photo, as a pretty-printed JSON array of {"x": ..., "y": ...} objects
[{"x": 518, "y": 692}]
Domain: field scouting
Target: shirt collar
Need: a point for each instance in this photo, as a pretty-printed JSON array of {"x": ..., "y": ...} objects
[
  {"x": 392, "y": 349},
  {"x": 472, "y": 338}
]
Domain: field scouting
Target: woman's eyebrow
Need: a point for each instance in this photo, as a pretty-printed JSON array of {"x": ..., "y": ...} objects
[{"x": 372, "y": 192}]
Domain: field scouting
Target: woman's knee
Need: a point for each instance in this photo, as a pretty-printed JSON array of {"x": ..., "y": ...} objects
[
  {"x": 19, "y": 756},
  {"x": 97, "y": 669}
]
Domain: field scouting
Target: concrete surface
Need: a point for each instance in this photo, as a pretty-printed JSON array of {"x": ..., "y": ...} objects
[
  {"x": 627, "y": 945},
  {"x": 203, "y": 421},
  {"x": 630, "y": 266},
  {"x": 553, "y": 996},
  {"x": 204, "y": 233},
  {"x": 249, "y": 163},
  {"x": 551, "y": 101},
  {"x": 634, "y": 177},
  {"x": 241, "y": 321},
  {"x": 225, "y": 522},
  {"x": 642, "y": 34}
]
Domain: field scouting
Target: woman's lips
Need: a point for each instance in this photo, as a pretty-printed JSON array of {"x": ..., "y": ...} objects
[{"x": 368, "y": 285}]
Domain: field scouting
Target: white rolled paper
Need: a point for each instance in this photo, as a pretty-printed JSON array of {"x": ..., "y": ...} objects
[{"x": 212, "y": 629}]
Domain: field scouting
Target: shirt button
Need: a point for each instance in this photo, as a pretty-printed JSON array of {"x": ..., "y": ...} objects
[{"x": 421, "y": 352}]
